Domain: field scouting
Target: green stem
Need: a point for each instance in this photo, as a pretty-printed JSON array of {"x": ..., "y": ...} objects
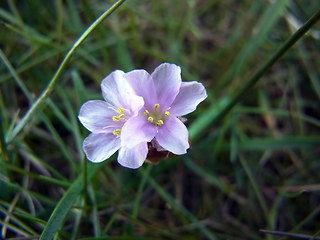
[{"x": 62, "y": 66}]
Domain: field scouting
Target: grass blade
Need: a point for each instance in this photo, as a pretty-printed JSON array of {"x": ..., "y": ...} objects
[
  {"x": 39, "y": 102},
  {"x": 61, "y": 210}
]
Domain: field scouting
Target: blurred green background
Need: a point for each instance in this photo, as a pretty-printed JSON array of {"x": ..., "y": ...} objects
[{"x": 256, "y": 168}]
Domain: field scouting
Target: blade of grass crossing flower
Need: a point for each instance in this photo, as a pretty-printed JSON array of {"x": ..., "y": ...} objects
[
  {"x": 63, "y": 207},
  {"x": 39, "y": 102}
]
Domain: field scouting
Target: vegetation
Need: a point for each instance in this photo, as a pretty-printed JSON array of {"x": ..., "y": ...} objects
[{"x": 255, "y": 157}]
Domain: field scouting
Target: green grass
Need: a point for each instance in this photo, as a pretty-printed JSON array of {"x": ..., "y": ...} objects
[{"x": 255, "y": 157}]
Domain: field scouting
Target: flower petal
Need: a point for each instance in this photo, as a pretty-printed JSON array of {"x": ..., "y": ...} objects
[
  {"x": 141, "y": 82},
  {"x": 173, "y": 136},
  {"x": 96, "y": 115},
  {"x": 133, "y": 157},
  {"x": 167, "y": 81},
  {"x": 101, "y": 146},
  {"x": 190, "y": 95},
  {"x": 137, "y": 130},
  {"x": 117, "y": 91}
]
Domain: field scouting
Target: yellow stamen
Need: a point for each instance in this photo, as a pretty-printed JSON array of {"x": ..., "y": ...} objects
[
  {"x": 120, "y": 110},
  {"x": 150, "y": 119},
  {"x": 146, "y": 112},
  {"x": 121, "y": 116},
  {"x": 115, "y": 118},
  {"x": 160, "y": 122},
  {"x": 156, "y": 106},
  {"x": 167, "y": 113},
  {"x": 116, "y": 132}
]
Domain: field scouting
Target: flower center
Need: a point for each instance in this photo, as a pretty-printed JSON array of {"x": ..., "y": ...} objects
[{"x": 156, "y": 116}]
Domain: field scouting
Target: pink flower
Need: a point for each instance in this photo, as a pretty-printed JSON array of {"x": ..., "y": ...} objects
[
  {"x": 105, "y": 120},
  {"x": 166, "y": 98},
  {"x": 140, "y": 108}
]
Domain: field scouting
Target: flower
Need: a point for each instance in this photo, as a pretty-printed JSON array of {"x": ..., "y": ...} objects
[
  {"x": 140, "y": 111},
  {"x": 166, "y": 98},
  {"x": 105, "y": 120}
]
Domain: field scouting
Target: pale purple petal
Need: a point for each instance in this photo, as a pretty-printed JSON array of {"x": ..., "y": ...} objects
[
  {"x": 96, "y": 116},
  {"x": 142, "y": 84},
  {"x": 112, "y": 87},
  {"x": 133, "y": 157},
  {"x": 167, "y": 81},
  {"x": 117, "y": 91},
  {"x": 100, "y": 146},
  {"x": 136, "y": 130},
  {"x": 173, "y": 136},
  {"x": 190, "y": 95},
  {"x": 135, "y": 104}
]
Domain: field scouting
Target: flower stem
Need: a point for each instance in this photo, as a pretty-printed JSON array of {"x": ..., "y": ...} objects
[{"x": 39, "y": 102}]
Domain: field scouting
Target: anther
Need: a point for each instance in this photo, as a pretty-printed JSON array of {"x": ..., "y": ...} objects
[
  {"x": 115, "y": 118},
  {"x": 159, "y": 123},
  {"x": 156, "y": 106},
  {"x": 150, "y": 119},
  {"x": 167, "y": 113},
  {"x": 120, "y": 110},
  {"x": 146, "y": 112},
  {"x": 121, "y": 116},
  {"x": 116, "y": 132}
]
